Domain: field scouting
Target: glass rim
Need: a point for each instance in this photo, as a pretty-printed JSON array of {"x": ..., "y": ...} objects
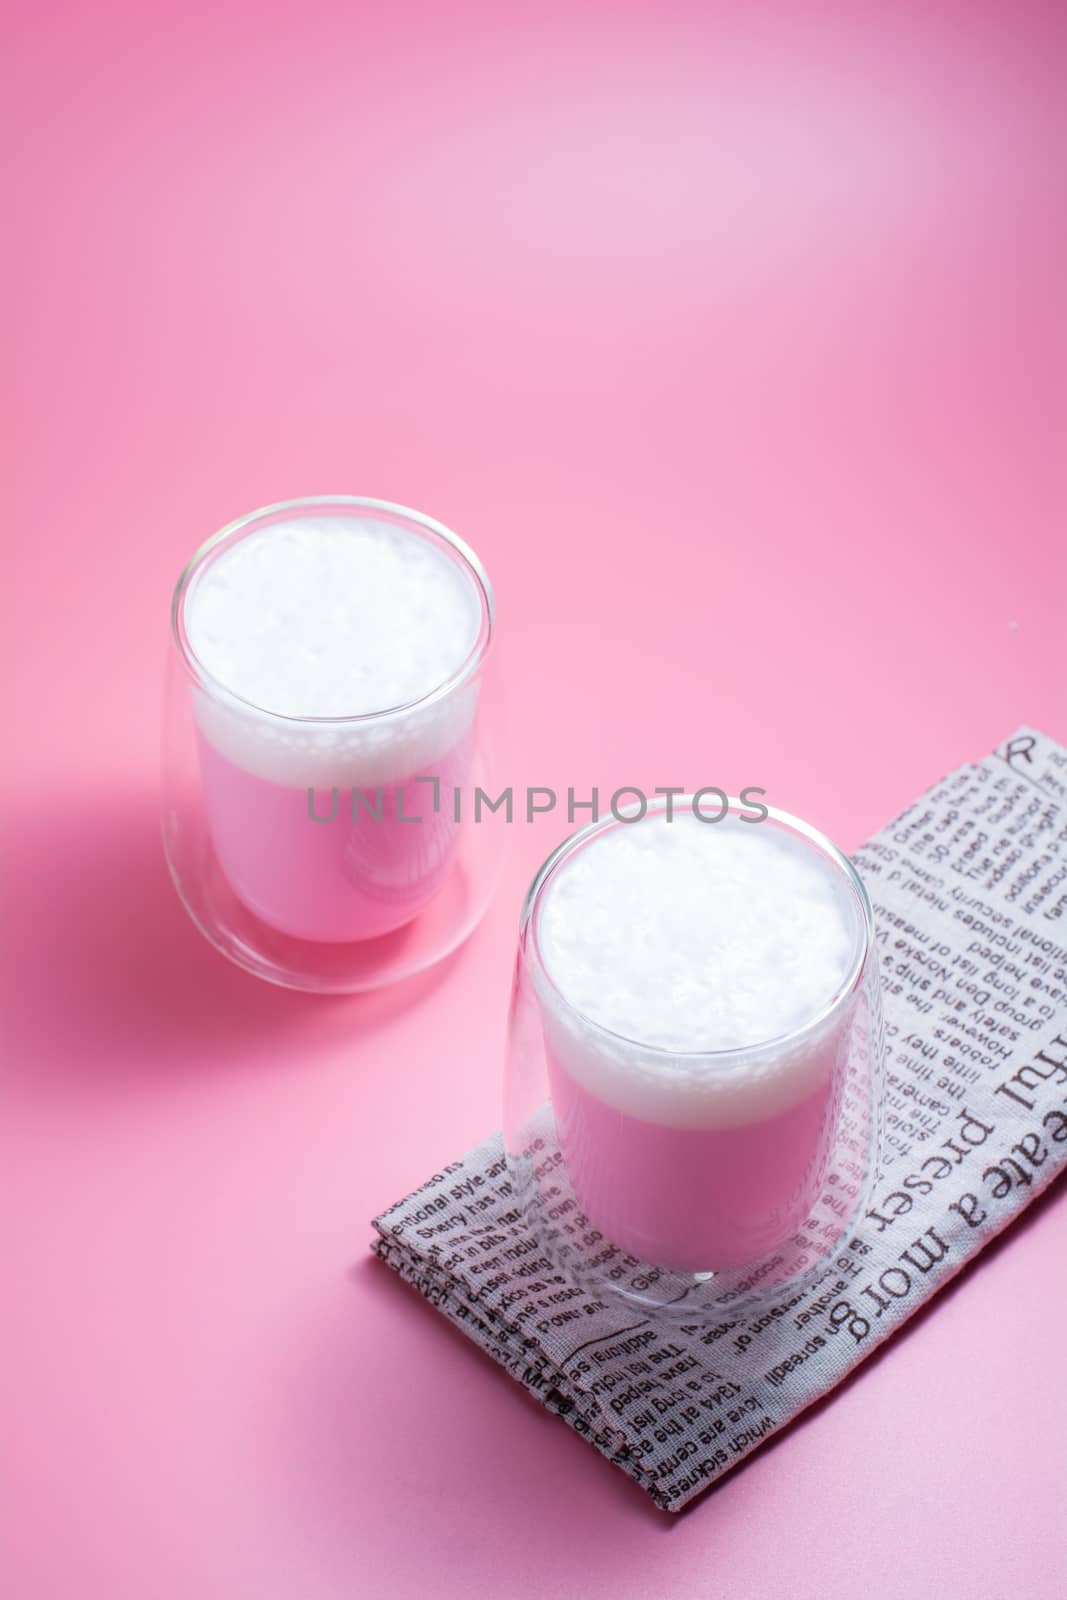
[
  {"x": 811, "y": 836},
  {"x": 423, "y": 524}
]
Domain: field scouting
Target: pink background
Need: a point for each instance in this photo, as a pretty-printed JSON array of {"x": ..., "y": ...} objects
[{"x": 732, "y": 339}]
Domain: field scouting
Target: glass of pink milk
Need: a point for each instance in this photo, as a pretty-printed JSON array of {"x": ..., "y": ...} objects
[
  {"x": 330, "y": 717},
  {"x": 696, "y": 1054}
]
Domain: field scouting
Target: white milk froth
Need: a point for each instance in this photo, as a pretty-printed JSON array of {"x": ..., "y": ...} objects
[
  {"x": 683, "y": 939},
  {"x": 339, "y": 617}
]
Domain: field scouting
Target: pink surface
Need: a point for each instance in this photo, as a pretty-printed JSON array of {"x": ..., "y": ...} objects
[{"x": 731, "y": 339}]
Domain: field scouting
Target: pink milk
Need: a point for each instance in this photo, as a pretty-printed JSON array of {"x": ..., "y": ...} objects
[
  {"x": 350, "y": 876},
  {"x": 697, "y": 1015},
  {"x": 695, "y": 1199},
  {"x": 333, "y": 649}
]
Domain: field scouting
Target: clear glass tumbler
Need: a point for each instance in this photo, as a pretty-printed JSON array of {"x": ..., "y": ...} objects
[
  {"x": 696, "y": 1055},
  {"x": 331, "y": 741}
]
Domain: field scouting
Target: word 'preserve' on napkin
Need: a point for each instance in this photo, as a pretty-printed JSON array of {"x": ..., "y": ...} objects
[{"x": 969, "y": 888}]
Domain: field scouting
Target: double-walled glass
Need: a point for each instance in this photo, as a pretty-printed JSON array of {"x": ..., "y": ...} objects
[
  {"x": 340, "y": 852},
  {"x": 688, "y": 1178}
]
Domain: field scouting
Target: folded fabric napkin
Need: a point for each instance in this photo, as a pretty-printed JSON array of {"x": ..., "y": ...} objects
[{"x": 969, "y": 888}]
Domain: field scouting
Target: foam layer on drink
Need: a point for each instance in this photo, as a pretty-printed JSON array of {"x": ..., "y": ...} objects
[
  {"x": 342, "y": 618},
  {"x": 670, "y": 945}
]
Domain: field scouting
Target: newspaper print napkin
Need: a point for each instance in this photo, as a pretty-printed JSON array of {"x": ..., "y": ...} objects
[{"x": 969, "y": 888}]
